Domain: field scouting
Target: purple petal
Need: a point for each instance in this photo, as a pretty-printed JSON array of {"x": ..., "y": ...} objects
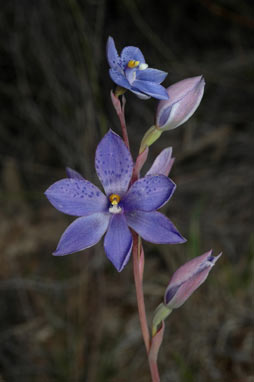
[
  {"x": 131, "y": 53},
  {"x": 171, "y": 292},
  {"x": 113, "y": 164},
  {"x": 118, "y": 242},
  {"x": 163, "y": 163},
  {"x": 73, "y": 174},
  {"x": 76, "y": 197},
  {"x": 119, "y": 79},
  {"x": 153, "y": 75},
  {"x": 188, "y": 278},
  {"x": 83, "y": 233},
  {"x": 112, "y": 55},
  {"x": 149, "y": 193},
  {"x": 150, "y": 88},
  {"x": 154, "y": 227},
  {"x": 164, "y": 115}
]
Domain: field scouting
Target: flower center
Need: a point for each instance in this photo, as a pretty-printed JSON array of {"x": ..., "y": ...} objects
[
  {"x": 114, "y": 207},
  {"x": 133, "y": 64}
]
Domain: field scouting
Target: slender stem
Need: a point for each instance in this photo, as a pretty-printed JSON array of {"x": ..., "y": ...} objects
[
  {"x": 138, "y": 266},
  {"x": 154, "y": 371},
  {"x": 156, "y": 342},
  {"x": 119, "y": 108},
  {"x": 140, "y": 161},
  {"x": 139, "y": 291},
  {"x": 123, "y": 123}
]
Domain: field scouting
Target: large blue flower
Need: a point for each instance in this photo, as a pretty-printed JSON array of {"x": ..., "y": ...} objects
[
  {"x": 122, "y": 207},
  {"x": 131, "y": 72}
]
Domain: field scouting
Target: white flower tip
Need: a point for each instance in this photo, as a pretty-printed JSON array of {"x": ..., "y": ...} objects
[{"x": 143, "y": 66}]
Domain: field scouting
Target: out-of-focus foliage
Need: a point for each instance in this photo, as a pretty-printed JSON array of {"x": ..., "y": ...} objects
[{"x": 74, "y": 318}]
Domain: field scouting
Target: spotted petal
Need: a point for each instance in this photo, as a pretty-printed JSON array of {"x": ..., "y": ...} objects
[
  {"x": 153, "y": 75},
  {"x": 119, "y": 79},
  {"x": 112, "y": 55},
  {"x": 113, "y": 164},
  {"x": 150, "y": 88},
  {"x": 131, "y": 53},
  {"x": 148, "y": 193},
  {"x": 118, "y": 242},
  {"x": 76, "y": 197},
  {"x": 83, "y": 233},
  {"x": 154, "y": 227}
]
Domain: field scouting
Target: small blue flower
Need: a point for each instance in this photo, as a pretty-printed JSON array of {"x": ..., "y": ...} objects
[
  {"x": 131, "y": 72},
  {"x": 122, "y": 207}
]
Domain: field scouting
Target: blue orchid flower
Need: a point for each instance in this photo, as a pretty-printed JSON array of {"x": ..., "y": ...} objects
[
  {"x": 130, "y": 71},
  {"x": 123, "y": 206}
]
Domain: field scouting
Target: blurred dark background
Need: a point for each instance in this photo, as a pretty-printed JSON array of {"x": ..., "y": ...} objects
[{"x": 74, "y": 318}]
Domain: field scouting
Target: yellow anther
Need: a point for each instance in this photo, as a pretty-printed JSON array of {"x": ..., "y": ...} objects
[
  {"x": 114, "y": 199},
  {"x": 133, "y": 64}
]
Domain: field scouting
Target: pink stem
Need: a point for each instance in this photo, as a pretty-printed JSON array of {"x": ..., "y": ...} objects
[
  {"x": 123, "y": 123},
  {"x": 154, "y": 371},
  {"x": 140, "y": 161},
  {"x": 138, "y": 268},
  {"x": 120, "y": 112},
  {"x": 138, "y": 277},
  {"x": 156, "y": 342}
]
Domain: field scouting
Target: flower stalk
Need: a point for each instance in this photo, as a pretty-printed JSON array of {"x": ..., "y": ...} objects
[
  {"x": 138, "y": 267},
  {"x": 120, "y": 108},
  {"x": 152, "y": 346}
]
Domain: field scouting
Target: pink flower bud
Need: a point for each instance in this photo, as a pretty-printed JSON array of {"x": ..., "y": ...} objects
[
  {"x": 188, "y": 278},
  {"x": 184, "y": 99}
]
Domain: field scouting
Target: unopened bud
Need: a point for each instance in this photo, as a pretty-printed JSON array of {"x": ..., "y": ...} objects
[{"x": 184, "y": 99}]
